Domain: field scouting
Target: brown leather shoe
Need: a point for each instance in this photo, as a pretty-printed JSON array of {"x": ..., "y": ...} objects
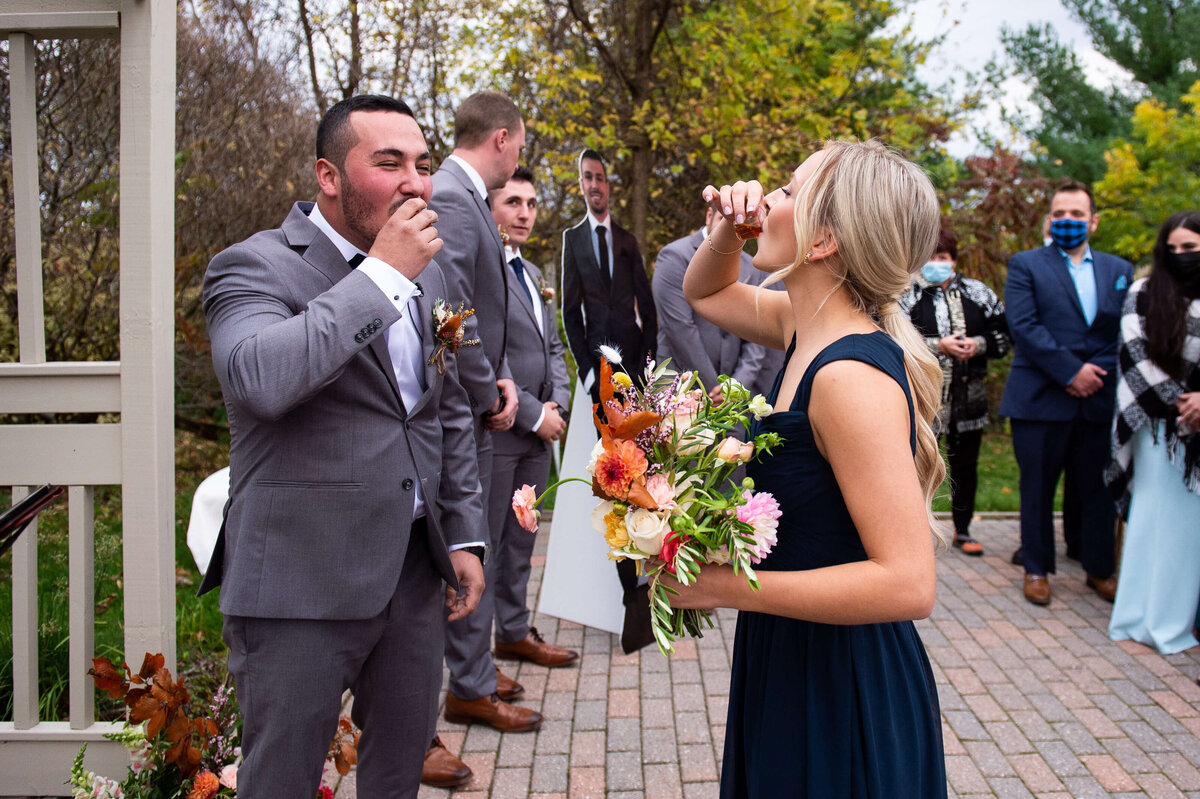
[
  {"x": 494, "y": 712},
  {"x": 442, "y": 769},
  {"x": 507, "y": 688},
  {"x": 1037, "y": 589},
  {"x": 1105, "y": 587},
  {"x": 535, "y": 649}
]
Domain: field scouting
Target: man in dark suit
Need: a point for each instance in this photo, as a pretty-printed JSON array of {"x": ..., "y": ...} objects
[
  {"x": 607, "y": 300},
  {"x": 1064, "y": 309},
  {"x": 606, "y": 293},
  {"x": 488, "y": 136},
  {"x": 352, "y": 465},
  {"x": 690, "y": 341}
]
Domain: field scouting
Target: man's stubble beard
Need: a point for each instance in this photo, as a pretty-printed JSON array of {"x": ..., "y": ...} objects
[{"x": 357, "y": 212}]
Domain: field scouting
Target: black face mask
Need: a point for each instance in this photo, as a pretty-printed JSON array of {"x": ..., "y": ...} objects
[{"x": 1184, "y": 267}]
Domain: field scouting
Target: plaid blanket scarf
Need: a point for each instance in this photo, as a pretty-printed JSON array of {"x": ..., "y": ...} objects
[{"x": 1146, "y": 395}]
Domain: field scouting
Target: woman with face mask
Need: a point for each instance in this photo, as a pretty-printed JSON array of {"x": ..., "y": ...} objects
[
  {"x": 1155, "y": 468},
  {"x": 963, "y": 323}
]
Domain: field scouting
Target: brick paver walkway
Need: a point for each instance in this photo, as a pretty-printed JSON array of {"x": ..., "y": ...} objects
[{"x": 1036, "y": 702}]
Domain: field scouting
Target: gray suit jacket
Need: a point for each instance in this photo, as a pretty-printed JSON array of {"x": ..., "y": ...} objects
[
  {"x": 537, "y": 363},
  {"x": 473, "y": 262},
  {"x": 691, "y": 341},
  {"x": 323, "y": 454}
]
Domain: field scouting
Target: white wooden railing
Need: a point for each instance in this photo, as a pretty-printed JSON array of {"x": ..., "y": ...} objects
[{"x": 136, "y": 453}]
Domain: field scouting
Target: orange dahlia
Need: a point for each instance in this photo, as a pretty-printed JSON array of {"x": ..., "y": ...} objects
[
  {"x": 618, "y": 466},
  {"x": 205, "y": 786}
]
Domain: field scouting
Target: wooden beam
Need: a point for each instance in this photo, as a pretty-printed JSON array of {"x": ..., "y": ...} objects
[
  {"x": 63, "y": 454},
  {"x": 62, "y": 24},
  {"x": 27, "y": 212},
  {"x": 60, "y": 387}
]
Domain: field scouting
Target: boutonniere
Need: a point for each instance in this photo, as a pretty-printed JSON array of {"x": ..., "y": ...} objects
[
  {"x": 448, "y": 332},
  {"x": 503, "y": 234},
  {"x": 1121, "y": 283},
  {"x": 546, "y": 290}
]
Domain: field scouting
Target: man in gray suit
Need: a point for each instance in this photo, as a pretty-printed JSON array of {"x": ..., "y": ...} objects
[
  {"x": 690, "y": 341},
  {"x": 352, "y": 465},
  {"x": 488, "y": 136},
  {"x": 535, "y": 356}
]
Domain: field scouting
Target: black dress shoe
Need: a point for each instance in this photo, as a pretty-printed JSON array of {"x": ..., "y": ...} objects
[
  {"x": 636, "y": 632},
  {"x": 1017, "y": 559}
]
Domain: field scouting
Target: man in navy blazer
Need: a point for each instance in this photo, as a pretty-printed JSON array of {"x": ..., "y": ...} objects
[{"x": 1064, "y": 309}]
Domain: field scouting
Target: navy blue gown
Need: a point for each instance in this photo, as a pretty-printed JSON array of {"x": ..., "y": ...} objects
[{"x": 827, "y": 710}]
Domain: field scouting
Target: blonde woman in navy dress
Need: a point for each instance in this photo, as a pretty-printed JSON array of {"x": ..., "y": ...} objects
[{"x": 831, "y": 692}]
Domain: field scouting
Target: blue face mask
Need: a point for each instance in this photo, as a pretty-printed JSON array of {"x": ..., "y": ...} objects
[
  {"x": 1068, "y": 233},
  {"x": 937, "y": 272}
]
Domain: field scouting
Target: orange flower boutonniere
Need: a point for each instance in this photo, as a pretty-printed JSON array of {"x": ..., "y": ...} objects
[{"x": 448, "y": 332}]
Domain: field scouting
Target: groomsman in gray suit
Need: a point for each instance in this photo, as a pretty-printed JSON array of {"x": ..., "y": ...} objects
[
  {"x": 690, "y": 341},
  {"x": 352, "y": 465},
  {"x": 535, "y": 355},
  {"x": 488, "y": 136}
]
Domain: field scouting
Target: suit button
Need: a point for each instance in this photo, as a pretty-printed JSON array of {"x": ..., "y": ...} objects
[
  {"x": 378, "y": 323},
  {"x": 407, "y": 484},
  {"x": 358, "y": 337}
]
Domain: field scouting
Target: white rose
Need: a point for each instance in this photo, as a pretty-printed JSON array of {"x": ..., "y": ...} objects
[
  {"x": 760, "y": 407},
  {"x": 598, "y": 513},
  {"x": 596, "y": 452},
  {"x": 646, "y": 530}
]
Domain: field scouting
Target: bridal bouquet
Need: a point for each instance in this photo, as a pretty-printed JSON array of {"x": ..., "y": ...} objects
[{"x": 662, "y": 471}]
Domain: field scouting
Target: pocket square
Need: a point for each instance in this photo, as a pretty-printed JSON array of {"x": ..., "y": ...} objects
[{"x": 1121, "y": 283}]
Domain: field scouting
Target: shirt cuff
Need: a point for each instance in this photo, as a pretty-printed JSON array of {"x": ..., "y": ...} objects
[
  {"x": 456, "y": 547},
  {"x": 541, "y": 418},
  {"x": 396, "y": 286}
]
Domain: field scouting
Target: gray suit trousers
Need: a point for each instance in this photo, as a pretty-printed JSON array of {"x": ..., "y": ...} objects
[
  {"x": 469, "y": 640},
  {"x": 512, "y": 545},
  {"x": 291, "y": 673}
]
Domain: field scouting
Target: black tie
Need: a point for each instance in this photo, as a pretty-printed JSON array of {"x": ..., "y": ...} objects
[
  {"x": 600, "y": 231},
  {"x": 357, "y": 259},
  {"x": 519, "y": 268}
]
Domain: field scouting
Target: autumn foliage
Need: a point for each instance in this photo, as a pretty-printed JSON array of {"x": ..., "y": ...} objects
[{"x": 153, "y": 697}]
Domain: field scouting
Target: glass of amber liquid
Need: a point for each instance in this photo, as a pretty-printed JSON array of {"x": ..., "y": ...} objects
[{"x": 751, "y": 228}]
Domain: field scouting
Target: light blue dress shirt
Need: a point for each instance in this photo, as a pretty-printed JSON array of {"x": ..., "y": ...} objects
[{"x": 1084, "y": 278}]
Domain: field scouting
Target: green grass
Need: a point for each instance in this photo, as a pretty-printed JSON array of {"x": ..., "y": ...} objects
[
  {"x": 999, "y": 479},
  {"x": 198, "y": 621}
]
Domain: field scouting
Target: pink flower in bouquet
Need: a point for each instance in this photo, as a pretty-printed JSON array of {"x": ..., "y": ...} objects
[
  {"x": 761, "y": 511},
  {"x": 661, "y": 491},
  {"x": 229, "y": 777},
  {"x": 618, "y": 466},
  {"x": 325, "y": 792},
  {"x": 523, "y": 500},
  {"x": 731, "y": 450},
  {"x": 670, "y": 548}
]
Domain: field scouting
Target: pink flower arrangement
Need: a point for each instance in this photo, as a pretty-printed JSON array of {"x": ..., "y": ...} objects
[{"x": 663, "y": 471}]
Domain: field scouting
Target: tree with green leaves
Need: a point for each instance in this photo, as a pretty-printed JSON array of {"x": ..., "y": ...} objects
[
  {"x": 1155, "y": 42},
  {"x": 680, "y": 93},
  {"x": 1152, "y": 174}
]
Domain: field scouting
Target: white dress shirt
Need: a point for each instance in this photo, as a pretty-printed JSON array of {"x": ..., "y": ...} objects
[
  {"x": 594, "y": 223},
  {"x": 404, "y": 336},
  {"x": 536, "y": 298}
]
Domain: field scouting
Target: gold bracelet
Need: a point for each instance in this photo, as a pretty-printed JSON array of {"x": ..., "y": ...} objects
[{"x": 721, "y": 252}]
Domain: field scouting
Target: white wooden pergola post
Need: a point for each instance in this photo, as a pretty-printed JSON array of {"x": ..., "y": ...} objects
[{"x": 137, "y": 452}]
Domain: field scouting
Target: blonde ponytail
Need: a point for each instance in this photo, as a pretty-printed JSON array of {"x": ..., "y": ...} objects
[{"x": 925, "y": 381}]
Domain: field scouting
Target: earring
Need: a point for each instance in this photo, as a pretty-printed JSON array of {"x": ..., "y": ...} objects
[{"x": 807, "y": 255}]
